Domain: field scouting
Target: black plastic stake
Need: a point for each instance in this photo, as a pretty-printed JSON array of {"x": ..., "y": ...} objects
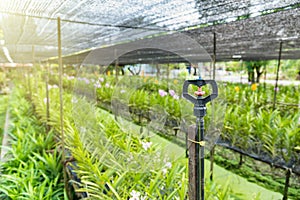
[
  {"x": 287, "y": 183},
  {"x": 196, "y": 153},
  {"x": 200, "y": 146}
]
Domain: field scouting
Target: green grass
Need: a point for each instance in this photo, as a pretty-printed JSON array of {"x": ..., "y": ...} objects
[{"x": 241, "y": 185}]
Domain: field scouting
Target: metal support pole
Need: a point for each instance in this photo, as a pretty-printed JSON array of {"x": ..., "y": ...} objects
[
  {"x": 277, "y": 75},
  {"x": 168, "y": 74},
  {"x": 199, "y": 70},
  {"x": 212, "y": 152},
  {"x": 47, "y": 98},
  {"x": 61, "y": 101},
  {"x": 265, "y": 77},
  {"x": 29, "y": 82},
  {"x": 21, "y": 71},
  {"x": 33, "y": 54},
  {"x": 241, "y": 69},
  {"x": 35, "y": 71},
  {"x": 157, "y": 71},
  {"x": 116, "y": 64},
  {"x": 214, "y": 56}
]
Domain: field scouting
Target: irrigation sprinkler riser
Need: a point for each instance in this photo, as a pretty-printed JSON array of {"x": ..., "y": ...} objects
[{"x": 196, "y": 155}]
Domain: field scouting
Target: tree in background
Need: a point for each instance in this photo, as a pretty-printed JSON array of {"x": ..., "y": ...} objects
[
  {"x": 290, "y": 68},
  {"x": 255, "y": 70}
]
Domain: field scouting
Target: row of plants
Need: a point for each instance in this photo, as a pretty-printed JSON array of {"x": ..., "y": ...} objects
[
  {"x": 272, "y": 134},
  {"x": 264, "y": 132},
  {"x": 32, "y": 167},
  {"x": 259, "y": 129},
  {"x": 287, "y": 97},
  {"x": 120, "y": 174},
  {"x": 112, "y": 163},
  {"x": 252, "y": 106}
]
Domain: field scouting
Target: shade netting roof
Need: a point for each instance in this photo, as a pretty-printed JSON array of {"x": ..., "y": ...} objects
[{"x": 250, "y": 28}]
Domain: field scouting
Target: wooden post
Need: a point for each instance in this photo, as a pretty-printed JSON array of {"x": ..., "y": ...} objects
[
  {"x": 192, "y": 192},
  {"x": 277, "y": 75},
  {"x": 196, "y": 161},
  {"x": 60, "y": 66}
]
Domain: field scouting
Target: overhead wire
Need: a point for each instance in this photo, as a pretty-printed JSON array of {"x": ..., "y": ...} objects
[{"x": 84, "y": 22}]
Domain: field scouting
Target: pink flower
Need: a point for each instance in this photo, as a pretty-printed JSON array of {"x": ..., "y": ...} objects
[
  {"x": 107, "y": 85},
  {"x": 87, "y": 81},
  {"x": 97, "y": 85},
  {"x": 162, "y": 93},
  {"x": 172, "y": 93},
  {"x": 199, "y": 92},
  {"x": 176, "y": 97},
  {"x": 101, "y": 79}
]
